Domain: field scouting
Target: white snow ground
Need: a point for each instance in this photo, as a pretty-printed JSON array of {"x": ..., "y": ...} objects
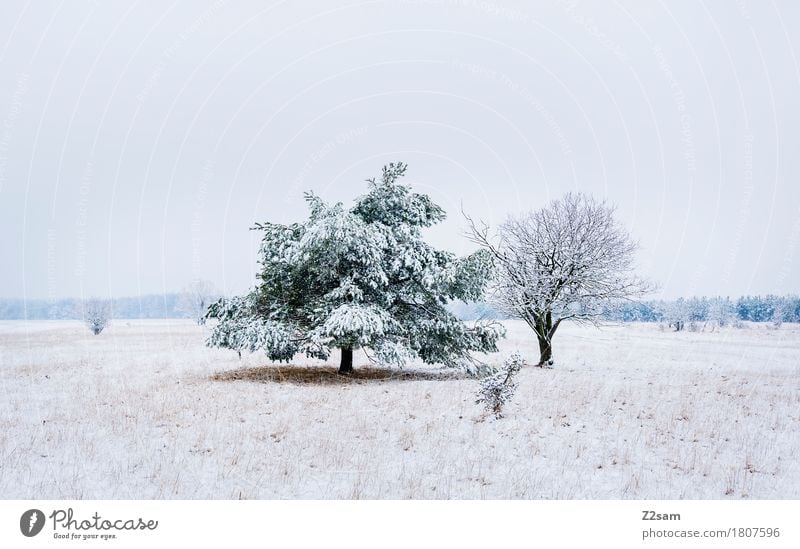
[{"x": 629, "y": 411}]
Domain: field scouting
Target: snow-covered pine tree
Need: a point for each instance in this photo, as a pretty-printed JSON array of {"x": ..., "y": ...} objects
[{"x": 360, "y": 278}]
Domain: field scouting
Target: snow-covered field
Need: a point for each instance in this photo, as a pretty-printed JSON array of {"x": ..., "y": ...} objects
[{"x": 629, "y": 411}]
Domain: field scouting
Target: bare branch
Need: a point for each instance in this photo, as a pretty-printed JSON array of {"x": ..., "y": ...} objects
[{"x": 570, "y": 260}]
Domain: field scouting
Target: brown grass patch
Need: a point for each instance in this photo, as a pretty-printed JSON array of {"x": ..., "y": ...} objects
[{"x": 326, "y": 375}]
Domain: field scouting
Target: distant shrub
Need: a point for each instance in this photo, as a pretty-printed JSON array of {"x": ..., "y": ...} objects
[{"x": 96, "y": 315}]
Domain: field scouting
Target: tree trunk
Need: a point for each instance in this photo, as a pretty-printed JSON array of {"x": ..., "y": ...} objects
[
  {"x": 545, "y": 352},
  {"x": 544, "y": 334},
  {"x": 346, "y": 365}
]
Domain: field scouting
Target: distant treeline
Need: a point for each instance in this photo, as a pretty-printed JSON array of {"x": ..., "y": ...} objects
[
  {"x": 146, "y": 306},
  {"x": 769, "y": 308}
]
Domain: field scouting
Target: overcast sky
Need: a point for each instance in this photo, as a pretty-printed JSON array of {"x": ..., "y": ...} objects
[{"x": 140, "y": 140}]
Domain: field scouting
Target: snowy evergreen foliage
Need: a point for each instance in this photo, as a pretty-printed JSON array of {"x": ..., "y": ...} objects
[
  {"x": 96, "y": 315},
  {"x": 497, "y": 389},
  {"x": 360, "y": 278}
]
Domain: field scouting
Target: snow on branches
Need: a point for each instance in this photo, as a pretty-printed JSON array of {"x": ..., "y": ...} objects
[
  {"x": 360, "y": 277},
  {"x": 570, "y": 260},
  {"x": 497, "y": 389},
  {"x": 96, "y": 315}
]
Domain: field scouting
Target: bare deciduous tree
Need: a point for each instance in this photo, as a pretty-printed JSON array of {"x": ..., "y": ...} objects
[
  {"x": 677, "y": 314},
  {"x": 195, "y": 299},
  {"x": 778, "y": 312},
  {"x": 721, "y": 312},
  {"x": 570, "y": 260},
  {"x": 96, "y": 315}
]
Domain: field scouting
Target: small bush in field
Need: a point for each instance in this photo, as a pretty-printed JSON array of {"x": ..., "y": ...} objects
[
  {"x": 96, "y": 315},
  {"x": 497, "y": 389}
]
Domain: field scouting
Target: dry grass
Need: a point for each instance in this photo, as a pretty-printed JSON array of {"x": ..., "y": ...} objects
[
  {"x": 327, "y": 375},
  {"x": 146, "y": 411}
]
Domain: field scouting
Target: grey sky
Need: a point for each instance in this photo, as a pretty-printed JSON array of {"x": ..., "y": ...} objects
[{"x": 140, "y": 140}]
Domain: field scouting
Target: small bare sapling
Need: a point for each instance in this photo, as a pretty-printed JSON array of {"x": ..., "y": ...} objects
[{"x": 497, "y": 389}]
